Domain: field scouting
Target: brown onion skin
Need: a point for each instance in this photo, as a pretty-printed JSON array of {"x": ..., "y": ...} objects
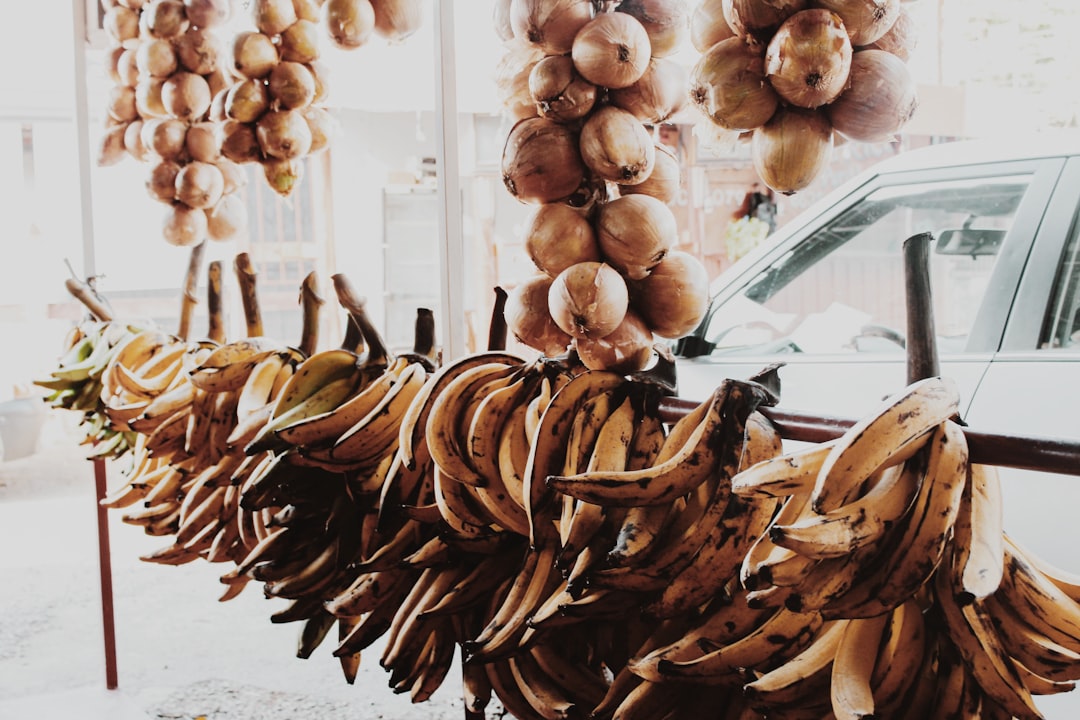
[
  {"x": 708, "y": 26},
  {"x": 901, "y": 38},
  {"x": 808, "y": 59},
  {"x": 588, "y": 299},
  {"x": 729, "y": 86},
  {"x": 184, "y": 226},
  {"x": 880, "y": 99},
  {"x": 550, "y": 25},
  {"x": 500, "y": 19},
  {"x": 541, "y": 162},
  {"x": 616, "y": 146},
  {"x": 757, "y": 20},
  {"x": 673, "y": 299},
  {"x": 635, "y": 232},
  {"x": 865, "y": 20},
  {"x": 560, "y": 93},
  {"x": 612, "y": 50},
  {"x": 626, "y": 349},
  {"x": 558, "y": 236},
  {"x": 657, "y": 95},
  {"x": 792, "y": 148},
  {"x": 663, "y": 182},
  {"x": 666, "y": 21},
  {"x": 528, "y": 319}
]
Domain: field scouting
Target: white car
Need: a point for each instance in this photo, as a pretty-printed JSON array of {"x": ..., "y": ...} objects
[{"x": 825, "y": 296}]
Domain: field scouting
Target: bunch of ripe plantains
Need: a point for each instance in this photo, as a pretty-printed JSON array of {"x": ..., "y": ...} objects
[{"x": 587, "y": 558}]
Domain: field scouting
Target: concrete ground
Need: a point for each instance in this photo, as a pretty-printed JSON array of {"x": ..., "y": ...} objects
[{"x": 181, "y": 654}]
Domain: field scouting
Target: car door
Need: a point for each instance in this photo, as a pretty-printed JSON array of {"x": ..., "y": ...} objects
[
  {"x": 828, "y": 300},
  {"x": 1031, "y": 389}
]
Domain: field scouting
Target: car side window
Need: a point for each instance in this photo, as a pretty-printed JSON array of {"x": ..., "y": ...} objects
[
  {"x": 1062, "y": 327},
  {"x": 841, "y": 288}
]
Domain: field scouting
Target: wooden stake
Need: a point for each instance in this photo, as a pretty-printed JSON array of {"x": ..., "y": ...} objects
[
  {"x": 245, "y": 276},
  {"x": 216, "y": 331},
  {"x": 189, "y": 300},
  {"x": 312, "y": 303}
]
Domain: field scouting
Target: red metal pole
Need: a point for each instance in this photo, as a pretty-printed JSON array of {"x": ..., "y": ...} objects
[{"x": 105, "y": 563}]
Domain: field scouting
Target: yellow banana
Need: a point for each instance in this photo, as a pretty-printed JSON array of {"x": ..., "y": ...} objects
[
  {"x": 801, "y": 679},
  {"x": 853, "y": 666},
  {"x": 978, "y": 543},
  {"x": 793, "y": 473}
]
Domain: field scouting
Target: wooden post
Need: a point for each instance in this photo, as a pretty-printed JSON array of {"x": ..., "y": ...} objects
[{"x": 108, "y": 620}]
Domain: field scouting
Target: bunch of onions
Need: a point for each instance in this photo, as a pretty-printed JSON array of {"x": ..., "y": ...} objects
[
  {"x": 558, "y": 236},
  {"x": 865, "y": 20},
  {"x": 728, "y": 85},
  {"x": 791, "y": 149},
  {"x": 673, "y": 297},
  {"x": 528, "y": 318},
  {"x": 541, "y": 162},
  {"x": 550, "y": 25},
  {"x": 657, "y": 95},
  {"x": 616, "y": 146},
  {"x": 808, "y": 59},
  {"x": 588, "y": 300},
  {"x": 635, "y": 232},
  {"x": 667, "y": 22},
  {"x": 612, "y": 50},
  {"x": 881, "y": 98},
  {"x": 558, "y": 91},
  {"x": 757, "y": 20}
]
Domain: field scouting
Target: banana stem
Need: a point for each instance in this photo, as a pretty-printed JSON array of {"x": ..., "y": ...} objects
[
  {"x": 246, "y": 276},
  {"x": 188, "y": 299},
  {"x": 377, "y": 352},
  {"x": 424, "y": 333},
  {"x": 216, "y": 328},
  {"x": 85, "y": 294},
  {"x": 497, "y": 329},
  {"x": 922, "y": 354},
  {"x": 312, "y": 303}
]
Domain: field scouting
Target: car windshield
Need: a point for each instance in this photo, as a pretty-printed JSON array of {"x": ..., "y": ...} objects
[{"x": 841, "y": 289}]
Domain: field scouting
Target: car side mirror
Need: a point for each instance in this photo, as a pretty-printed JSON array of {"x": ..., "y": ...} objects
[{"x": 970, "y": 241}]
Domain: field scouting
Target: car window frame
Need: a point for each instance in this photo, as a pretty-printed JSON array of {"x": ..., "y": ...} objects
[{"x": 992, "y": 317}]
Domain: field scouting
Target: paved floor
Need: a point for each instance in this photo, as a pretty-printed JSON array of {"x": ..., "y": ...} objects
[{"x": 182, "y": 654}]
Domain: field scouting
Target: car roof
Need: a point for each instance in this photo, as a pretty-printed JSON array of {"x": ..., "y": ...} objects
[{"x": 996, "y": 149}]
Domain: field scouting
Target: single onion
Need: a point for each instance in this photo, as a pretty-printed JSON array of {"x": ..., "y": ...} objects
[
  {"x": 148, "y": 98},
  {"x": 666, "y": 21},
  {"x": 163, "y": 19},
  {"x": 588, "y": 299},
  {"x": 626, "y": 349},
  {"x": 283, "y": 134},
  {"x": 612, "y": 50},
  {"x": 254, "y": 54},
  {"x": 273, "y": 16},
  {"x": 282, "y": 175},
  {"x": 321, "y": 73},
  {"x": 227, "y": 219},
  {"x": 186, "y": 95},
  {"x": 349, "y": 23},
  {"x": 121, "y": 25},
  {"x": 635, "y": 232},
  {"x": 728, "y": 85},
  {"x": 112, "y": 61},
  {"x": 300, "y": 42},
  {"x": 663, "y": 182},
  {"x": 121, "y": 106},
  {"x": 657, "y": 95},
  {"x": 161, "y": 183},
  {"x": 559, "y": 92},
  {"x": 673, "y": 299},
  {"x": 218, "y": 80},
  {"x": 238, "y": 142},
  {"x": 246, "y": 101},
  {"x": 199, "y": 185},
  {"x": 558, "y": 236},
  {"x": 133, "y": 141},
  {"x": 207, "y": 13},
  {"x": 528, "y": 318},
  {"x": 902, "y": 38},
  {"x": 323, "y": 127},
  {"x": 156, "y": 58},
  {"x": 865, "y": 20},
  {"x": 791, "y": 149},
  {"x": 291, "y": 85},
  {"x": 396, "y": 20},
  {"x": 111, "y": 149},
  {"x": 880, "y": 99},
  {"x": 616, "y": 146},
  {"x": 708, "y": 26},
  {"x": 808, "y": 59},
  {"x": 199, "y": 51},
  {"x": 127, "y": 68},
  {"x": 184, "y": 226},
  {"x": 541, "y": 161},
  {"x": 308, "y": 9},
  {"x": 512, "y": 74},
  {"x": 203, "y": 142},
  {"x": 500, "y": 19},
  {"x": 757, "y": 20},
  {"x": 168, "y": 138},
  {"x": 550, "y": 25}
]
